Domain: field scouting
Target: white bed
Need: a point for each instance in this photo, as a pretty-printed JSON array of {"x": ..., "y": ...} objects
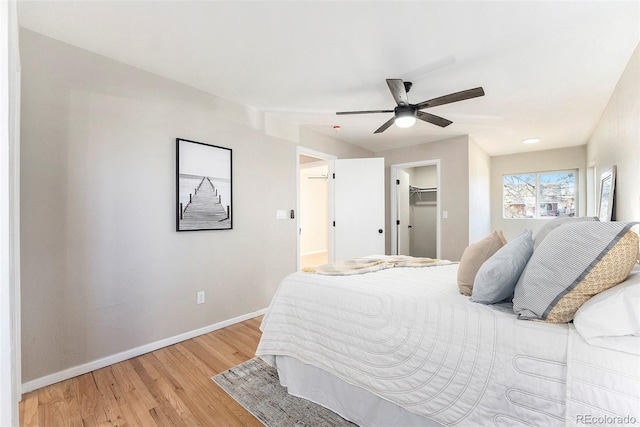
[{"x": 402, "y": 347}]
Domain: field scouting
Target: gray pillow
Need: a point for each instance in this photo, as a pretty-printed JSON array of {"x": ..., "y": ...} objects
[
  {"x": 498, "y": 276},
  {"x": 557, "y": 222}
]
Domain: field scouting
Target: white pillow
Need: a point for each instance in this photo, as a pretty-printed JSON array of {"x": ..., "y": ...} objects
[{"x": 613, "y": 313}]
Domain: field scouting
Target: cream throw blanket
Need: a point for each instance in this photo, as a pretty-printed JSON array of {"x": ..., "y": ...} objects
[{"x": 372, "y": 263}]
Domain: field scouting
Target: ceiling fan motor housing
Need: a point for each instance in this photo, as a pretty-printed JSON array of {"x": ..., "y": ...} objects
[
  {"x": 405, "y": 115},
  {"x": 405, "y": 111}
]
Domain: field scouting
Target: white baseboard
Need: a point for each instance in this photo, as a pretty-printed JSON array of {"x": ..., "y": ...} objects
[{"x": 128, "y": 354}]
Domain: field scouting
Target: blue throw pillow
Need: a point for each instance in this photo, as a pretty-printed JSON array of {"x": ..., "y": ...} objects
[{"x": 498, "y": 276}]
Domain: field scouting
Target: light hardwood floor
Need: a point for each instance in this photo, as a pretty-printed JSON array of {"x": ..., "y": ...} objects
[
  {"x": 167, "y": 387},
  {"x": 314, "y": 260}
]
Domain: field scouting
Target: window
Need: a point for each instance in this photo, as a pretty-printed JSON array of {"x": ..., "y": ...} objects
[{"x": 539, "y": 195}]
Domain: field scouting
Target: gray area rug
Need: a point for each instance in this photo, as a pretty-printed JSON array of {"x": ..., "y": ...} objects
[{"x": 255, "y": 385}]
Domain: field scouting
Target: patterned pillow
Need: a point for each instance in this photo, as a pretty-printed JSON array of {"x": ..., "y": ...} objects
[
  {"x": 557, "y": 222},
  {"x": 573, "y": 263},
  {"x": 474, "y": 256},
  {"x": 612, "y": 269}
]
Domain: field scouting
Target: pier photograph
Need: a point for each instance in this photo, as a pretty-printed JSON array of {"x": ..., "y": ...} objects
[{"x": 203, "y": 186}]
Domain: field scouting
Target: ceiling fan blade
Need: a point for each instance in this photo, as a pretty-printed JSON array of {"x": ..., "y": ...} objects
[
  {"x": 452, "y": 97},
  {"x": 386, "y": 125},
  {"x": 396, "y": 86},
  {"x": 363, "y": 112},
  {"x": 436, "y": 120}
]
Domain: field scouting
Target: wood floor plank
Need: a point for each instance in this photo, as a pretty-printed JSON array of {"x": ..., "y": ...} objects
[
  {"x": 244, "y": 348},
  {"x": 90, "y": 406},
  {"x": 29, "y": 410},
  {"x": 208, "y": 398},
  {"x": 70, "y": 406},
  {"x": 125, "y": 369},
  {"x": 51, "y": 400},
  {"x": 123, "y": 380},
  {"x": 139, "y": 408},
  {"x": 227, "y": 352},
  {"x": 171, "y": 386},
  {"x": 170, "y": 390},
  {"x": 203, "y": 353},
  {"x": 201, "y": 365},
  {"x": 160, "y": 418},
  {"x": 104, "y": 380},
  {"x": 163, "y": 411}
]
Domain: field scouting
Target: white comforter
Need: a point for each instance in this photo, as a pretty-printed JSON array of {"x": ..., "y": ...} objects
[
  {"x": 603, "y": 385},
  {"x": 408, "y": 336}
]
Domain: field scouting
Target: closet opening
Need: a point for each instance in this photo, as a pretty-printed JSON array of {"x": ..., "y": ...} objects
[{"x": 415, "y": 211}]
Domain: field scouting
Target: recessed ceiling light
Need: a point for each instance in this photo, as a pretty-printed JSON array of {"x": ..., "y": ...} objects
[{"x": 531, "y": 141}]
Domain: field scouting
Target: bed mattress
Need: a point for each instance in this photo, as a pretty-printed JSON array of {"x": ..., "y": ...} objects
[{"x": 407, "y": 336}]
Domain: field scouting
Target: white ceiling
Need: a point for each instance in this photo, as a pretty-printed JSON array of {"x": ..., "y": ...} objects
[{"x": 548, "y": 68}]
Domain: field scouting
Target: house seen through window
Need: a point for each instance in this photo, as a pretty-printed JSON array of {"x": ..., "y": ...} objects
[{"x": 539, "y": 194}]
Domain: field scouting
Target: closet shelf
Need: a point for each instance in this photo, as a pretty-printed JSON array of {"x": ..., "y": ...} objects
[
  {"x": 421, "y": 190},
  {"x": 414, "y": 189}
]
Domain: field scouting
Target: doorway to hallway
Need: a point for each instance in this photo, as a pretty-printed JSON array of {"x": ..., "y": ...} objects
[{"x": 314, "y": 235}]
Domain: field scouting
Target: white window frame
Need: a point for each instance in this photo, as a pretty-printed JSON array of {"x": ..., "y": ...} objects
[{"x": 538, "y": 200}]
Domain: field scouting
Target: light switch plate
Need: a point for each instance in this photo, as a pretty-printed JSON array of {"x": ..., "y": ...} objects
[{"x": 281, "y": 214}]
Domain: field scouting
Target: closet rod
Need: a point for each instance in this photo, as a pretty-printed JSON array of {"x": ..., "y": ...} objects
[{"x": 414, "y": 189}]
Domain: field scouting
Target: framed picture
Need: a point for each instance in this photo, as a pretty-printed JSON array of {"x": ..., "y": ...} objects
[
  {"x": 607, "y": 193},
  {"x": 203, "y": 186}
]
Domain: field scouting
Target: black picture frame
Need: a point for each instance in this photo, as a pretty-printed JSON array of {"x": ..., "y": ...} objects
[{"x": 203, "y": 186}]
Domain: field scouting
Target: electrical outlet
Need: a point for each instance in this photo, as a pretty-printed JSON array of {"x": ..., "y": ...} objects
[
  {"x": 445, "y": 214},
  {"x": 200, "y": 297}
]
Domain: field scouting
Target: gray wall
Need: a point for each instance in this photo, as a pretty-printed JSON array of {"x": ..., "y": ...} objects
[
  {"x": 103, "y": 270},
  {"x": 616, "y": 141},
  {"x": 454, "y": 188},
  {"x": 479, "y": 193}
]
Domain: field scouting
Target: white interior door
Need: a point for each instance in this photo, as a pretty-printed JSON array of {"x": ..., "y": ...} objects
[
  {"x": 404, "y": 213},
  {"x": 358, "y": 208}
]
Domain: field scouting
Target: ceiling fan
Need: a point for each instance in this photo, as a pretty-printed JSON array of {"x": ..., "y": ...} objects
[{"x": 405, "y": 114}]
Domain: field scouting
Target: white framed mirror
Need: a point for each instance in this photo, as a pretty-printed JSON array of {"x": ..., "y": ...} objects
[{"x": 607, "y": 192}]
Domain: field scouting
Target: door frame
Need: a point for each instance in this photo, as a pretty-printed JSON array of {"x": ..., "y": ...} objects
[
  {"x": 10, "y": 318},
  {"x": 394, "y": 200},
  {"x": 403, "y": 214},
  {"x": 330, "y": 167}
]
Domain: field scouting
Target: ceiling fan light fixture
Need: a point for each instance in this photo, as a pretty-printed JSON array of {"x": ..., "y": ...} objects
[
  {"x": 405, "y": 118},
  {"x": 406, "y": 114}
]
